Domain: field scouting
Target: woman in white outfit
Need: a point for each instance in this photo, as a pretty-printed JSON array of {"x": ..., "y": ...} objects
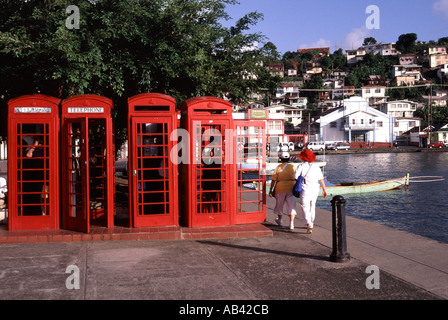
[{"x": 308, "y": 197}]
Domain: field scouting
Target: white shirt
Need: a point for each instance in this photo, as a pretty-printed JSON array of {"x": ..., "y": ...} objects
[{"x": 313, "y": 174}]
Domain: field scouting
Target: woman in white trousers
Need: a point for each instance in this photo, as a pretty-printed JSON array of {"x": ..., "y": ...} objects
[{"x": 308, "y": 197}]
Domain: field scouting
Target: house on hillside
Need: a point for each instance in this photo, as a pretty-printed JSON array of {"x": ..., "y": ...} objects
[
  {"x": 437, "y": 56},
  {"x": 436, "y": 60},
  {"x": 277, "y": 69},
  {"x": 376, "y": 80},
  {"x": 383, "y": 49},
  {"x": 289, "y": 94},
  {"x": 374, "y": 94},
  {"x": 354, "y": 56},
  {"x": 275, "y": 121},
  {"x": 408, "y": 74},
  {"x": 438, "y": 99},
  {"x": 291, "y": 114},
  {"x": 403, "y": 112},
  {"x": 407, "y": 58},
  {"x": 356, "y": 121}
]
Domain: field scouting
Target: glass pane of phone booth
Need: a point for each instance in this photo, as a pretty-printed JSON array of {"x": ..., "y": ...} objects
[
  {"x": 153, "y": 183},
  {"x": 211, "y": 170},
  {"x": 33, "y": 173},
  {"x": 74, "y": 186},
  {"x": 97, "y": 169}
]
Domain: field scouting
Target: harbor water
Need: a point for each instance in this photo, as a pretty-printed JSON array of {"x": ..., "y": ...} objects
[{"x": 422, "y": 209}]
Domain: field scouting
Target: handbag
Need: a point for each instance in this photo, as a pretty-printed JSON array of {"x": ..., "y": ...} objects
[{"x": 298, "y": 186}]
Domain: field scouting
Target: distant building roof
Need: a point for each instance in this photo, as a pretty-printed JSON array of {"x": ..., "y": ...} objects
[{"x": 321, "y": 50}]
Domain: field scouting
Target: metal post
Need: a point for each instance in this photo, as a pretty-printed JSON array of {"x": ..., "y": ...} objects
[{"x": 339, "y": 253}]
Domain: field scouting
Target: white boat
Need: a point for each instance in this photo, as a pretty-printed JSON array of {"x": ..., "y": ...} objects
[{"x": 365, "y": 187}]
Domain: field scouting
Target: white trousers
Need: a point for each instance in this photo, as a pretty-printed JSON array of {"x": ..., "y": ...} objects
[
  {"x": 282, "y": 199},
  {"x": 308, "y": 206}
]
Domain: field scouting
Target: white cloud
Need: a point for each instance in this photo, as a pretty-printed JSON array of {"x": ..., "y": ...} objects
[
  {"x": 318, "y": 44},
  {"x": 355, "y": 38},
  {"x": 441, "y": 7}
]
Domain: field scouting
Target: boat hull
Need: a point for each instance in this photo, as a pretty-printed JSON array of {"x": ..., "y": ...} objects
[{"x": 365, "y": 187}]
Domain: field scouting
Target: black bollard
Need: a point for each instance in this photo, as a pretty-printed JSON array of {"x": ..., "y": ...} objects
[{"x": 339, "y": 253}]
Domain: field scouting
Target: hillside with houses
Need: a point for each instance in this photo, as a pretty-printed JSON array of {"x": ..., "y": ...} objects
[{"x": 380, "y": 93}]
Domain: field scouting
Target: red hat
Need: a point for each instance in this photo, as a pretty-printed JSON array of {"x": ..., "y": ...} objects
[{"x": 307, "y": 155}]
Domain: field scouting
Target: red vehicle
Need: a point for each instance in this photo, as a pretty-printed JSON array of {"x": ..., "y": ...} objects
[{"x": 436, "y": 144}]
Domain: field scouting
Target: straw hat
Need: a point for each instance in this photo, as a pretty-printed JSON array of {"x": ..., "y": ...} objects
[{"x": 307, "y": 155}]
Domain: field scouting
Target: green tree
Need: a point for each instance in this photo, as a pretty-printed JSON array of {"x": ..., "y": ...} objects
[
  {"x": 371, "y": 65},
  {"x": 369, "y": 41},
  {"x": 127, "y": 47},
  {"x": 443, "y": 41},
  {"x": 316, "y": 82},
  {"x": 406, "y": 43},
  {"x": 339, "y": 59}
]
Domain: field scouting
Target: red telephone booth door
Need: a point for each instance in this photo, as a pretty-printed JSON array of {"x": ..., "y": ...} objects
[
  {"x": 151, "y": 174},
  {"x": 76, "y": 191},
  {"x": 251, "y": 162},
  {"x": 209, "y": 176},
  {"x": 211, "y": 188},
  {"x": 33, "y": 163}
]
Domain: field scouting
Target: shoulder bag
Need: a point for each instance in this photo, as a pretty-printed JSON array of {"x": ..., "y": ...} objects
[{"x": 298, "y": 186}]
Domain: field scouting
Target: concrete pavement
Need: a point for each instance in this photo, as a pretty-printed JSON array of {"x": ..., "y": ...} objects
[
  {"x": 285, "y": 266},
  {"x": 288, "y": 265}
]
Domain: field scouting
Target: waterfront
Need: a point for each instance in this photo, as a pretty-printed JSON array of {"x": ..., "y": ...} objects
[{"x": 422, "y": 209}]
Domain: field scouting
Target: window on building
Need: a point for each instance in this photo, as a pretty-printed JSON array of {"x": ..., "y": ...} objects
[{"x": 275, "y": 125}]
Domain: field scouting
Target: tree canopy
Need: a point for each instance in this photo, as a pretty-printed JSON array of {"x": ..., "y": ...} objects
[
  {"x": 123, "y": 48},
  {"x": 406, "y": 43}
]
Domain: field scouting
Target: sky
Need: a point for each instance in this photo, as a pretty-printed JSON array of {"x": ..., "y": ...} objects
[{"x": 295, "y": 24}]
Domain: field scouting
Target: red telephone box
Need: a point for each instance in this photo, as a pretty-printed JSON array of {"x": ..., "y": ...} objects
[
  {"x": 88, "y": 163},
  {"x": 153, "y": 177},
  {"x": 209, "y": 162},
  {"x": 251, "y": 161},
  {"x": 33, "y": 163}
]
